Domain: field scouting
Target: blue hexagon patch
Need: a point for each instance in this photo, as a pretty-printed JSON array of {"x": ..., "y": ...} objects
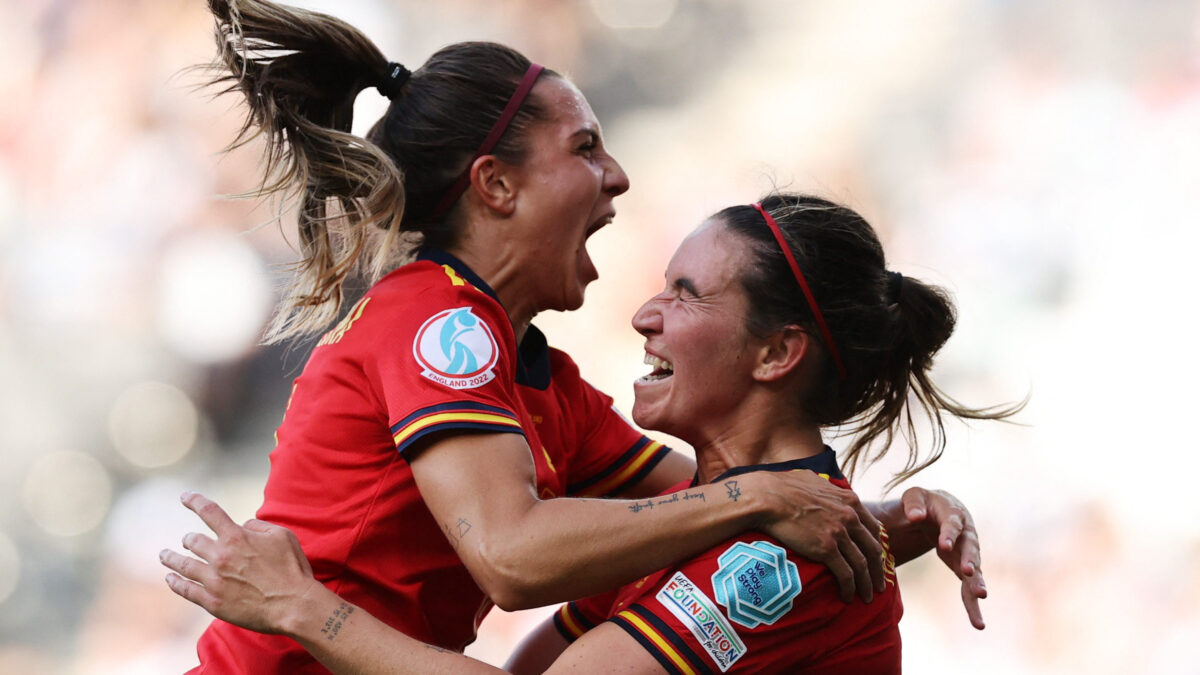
[{"x": 756, "y": 583}]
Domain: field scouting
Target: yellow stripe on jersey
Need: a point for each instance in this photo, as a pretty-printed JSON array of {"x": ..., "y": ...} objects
[
  {"x": 564, "y": 613},
  {"x": 477, "y": 417},
  {"x": 339, "y": 331},
  {"x": 612, "y": 482},
  {"x": 454, "y": 278},
  {"x": 663, "y": 646}
]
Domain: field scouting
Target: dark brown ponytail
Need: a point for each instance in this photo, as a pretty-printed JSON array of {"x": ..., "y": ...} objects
[{"x": 887, "y": 329}]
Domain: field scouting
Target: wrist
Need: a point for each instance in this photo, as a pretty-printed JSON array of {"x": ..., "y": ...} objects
[
  {"x": 304, "y": 616},
  {"x": 761, "y": 502}
]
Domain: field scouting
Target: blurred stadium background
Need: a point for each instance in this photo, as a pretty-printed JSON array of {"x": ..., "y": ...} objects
[{"x": 1040, "y": 159}]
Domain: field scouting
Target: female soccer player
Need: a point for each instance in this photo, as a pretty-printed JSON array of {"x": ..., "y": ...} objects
[
  {"x": 432, "y": 426},
  {"x": 777, "y": 319}
]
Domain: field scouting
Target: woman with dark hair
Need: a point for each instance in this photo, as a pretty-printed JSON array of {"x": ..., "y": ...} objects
[
  {"x": 432, "y": 425},
  {"x": 778, "y": 319}
]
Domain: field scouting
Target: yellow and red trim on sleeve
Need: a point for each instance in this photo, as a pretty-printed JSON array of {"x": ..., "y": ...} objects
[
  {"x": 661, "y": 641},
  {"x": 629, "y": 468},
  {"x": 457, "y": 415},
  {"x": 572, "y": 623}
]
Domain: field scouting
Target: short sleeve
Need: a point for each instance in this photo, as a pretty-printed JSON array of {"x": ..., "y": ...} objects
[
  {"x": 442, "y": 357},
  {"x": 575, "y": 618},
  {"x": 609, "y": 454}
]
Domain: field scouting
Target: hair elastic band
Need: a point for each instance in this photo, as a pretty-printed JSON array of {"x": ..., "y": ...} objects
[
  {"x": 808, "y": 294},
  {"x": 506, "y": 117},
  {"x": 393, "y": 79}
]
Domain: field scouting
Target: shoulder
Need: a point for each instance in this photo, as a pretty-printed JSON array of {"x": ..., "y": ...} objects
[{"x": 415, "y": 298}]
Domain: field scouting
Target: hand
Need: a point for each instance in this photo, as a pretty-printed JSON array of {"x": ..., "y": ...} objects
[
  {"x": 828, "y": 524},
  {"x": 942, "y": 521},
  {"x": 252, "y": 576}
]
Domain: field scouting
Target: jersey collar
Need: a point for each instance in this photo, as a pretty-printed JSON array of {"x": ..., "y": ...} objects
[
  {"x": 823, "y": 462},
  {"x": 533, "y": 354}
]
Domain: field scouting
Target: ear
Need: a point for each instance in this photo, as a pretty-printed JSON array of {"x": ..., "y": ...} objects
[
  {"x": 781, "y": 354},
  {"x": 494, "y": 184}
]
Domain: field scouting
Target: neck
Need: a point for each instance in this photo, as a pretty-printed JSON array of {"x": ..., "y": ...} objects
[
  {"x": 502, "y": 273},
  {"x": 758, "y": 434}
]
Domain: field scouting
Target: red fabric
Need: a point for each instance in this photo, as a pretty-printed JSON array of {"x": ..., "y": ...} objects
[
  {"x": 820, "y": 634},
  {"x": 338, "y": 481}
]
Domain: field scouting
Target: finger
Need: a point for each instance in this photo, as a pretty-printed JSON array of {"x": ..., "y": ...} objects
[
  {"x": 970, "y": 560},
  {"x": 859, "y": 568},
  {"x": 843, "y": 574},
  {"x": 866, "y": 535},
  {"x": 971, "y": 603},
  {"x": 915, "y": 502},
  {"x": 186, "y": 567},
  {"x": 200, "y": 545},
  {"x": 256, "y": 525},
  {"x": 952, "y": 527},
  {"x": 872, "y": 552},
  {"x": 191, "y": 591},
  {"x": 213, "y": 515}
]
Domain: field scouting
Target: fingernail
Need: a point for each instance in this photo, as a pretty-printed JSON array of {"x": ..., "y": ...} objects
[
  {"x": 971, "y": 567},
  {"x": 162, "y": 555},
  {"x": 948, "y": 542},
  {"x": 183, "y": 497}
]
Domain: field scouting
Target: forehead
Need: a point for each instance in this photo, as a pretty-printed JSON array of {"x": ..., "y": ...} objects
[
  {"x": 711, "y": 257},
  {"x": 565, "y": 105}
]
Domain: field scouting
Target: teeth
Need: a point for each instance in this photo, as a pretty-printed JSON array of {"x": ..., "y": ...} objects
[{"x": 657, "y": 363}]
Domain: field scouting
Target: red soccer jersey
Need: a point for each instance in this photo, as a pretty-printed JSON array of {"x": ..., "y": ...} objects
[
  {"x": 428, "y": 349},
  {"x": 749, "y": 606}
]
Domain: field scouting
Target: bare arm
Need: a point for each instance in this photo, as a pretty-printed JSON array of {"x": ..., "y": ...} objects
[
  {"x": 256, "y": 576},
  {"x": 525, "y": 552},
  {"x": 537, "y": 650},
  {"x": 922, "y": 520}
]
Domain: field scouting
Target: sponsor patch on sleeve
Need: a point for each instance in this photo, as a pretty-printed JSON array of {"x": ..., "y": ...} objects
[
  {"x": 696, "y": 611},
  {"x": 756, "y": 583},
  {"x": 457, "y": 349}
]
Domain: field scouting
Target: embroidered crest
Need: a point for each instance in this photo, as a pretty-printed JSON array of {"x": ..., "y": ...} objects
[
  {"x": 455, "y": 348},
  {"x": 756, "y": 583},
  {"x": 696, "y": 611}
]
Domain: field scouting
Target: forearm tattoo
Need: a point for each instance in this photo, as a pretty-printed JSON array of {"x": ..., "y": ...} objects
[
  {"x": 639, "y": 506},
  {"x": 733, "y": 490},
  {"x": 333, "y": 625}
]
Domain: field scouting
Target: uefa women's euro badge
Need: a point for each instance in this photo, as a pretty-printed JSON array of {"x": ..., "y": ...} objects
[
  {"x": 455, "y": 348},
  {"x": 756, "y": 583}
]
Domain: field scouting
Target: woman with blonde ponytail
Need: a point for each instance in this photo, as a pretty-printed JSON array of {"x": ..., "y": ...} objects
[{"x": 427, "y": 443}]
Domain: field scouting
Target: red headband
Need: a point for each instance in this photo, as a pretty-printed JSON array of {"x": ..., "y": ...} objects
[
  {"x": 506, "y": 117},
  {"x": 808, "y": 294}
]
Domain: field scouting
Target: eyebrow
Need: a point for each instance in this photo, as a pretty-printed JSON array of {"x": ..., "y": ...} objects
[
  {"x": 686, "y": 284},
  {"x": 593, "y": 132}
]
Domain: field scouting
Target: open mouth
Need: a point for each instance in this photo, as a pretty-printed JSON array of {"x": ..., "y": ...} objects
[
  {"x": 606, "y": 220},
  {"x": 662, "y": 369}
]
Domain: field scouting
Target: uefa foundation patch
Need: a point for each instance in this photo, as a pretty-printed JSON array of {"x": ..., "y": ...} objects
[
  {"x": 695, "y": 610},
  {"x": 756, "y": 583},
  {"x": 457, "y": 349}
]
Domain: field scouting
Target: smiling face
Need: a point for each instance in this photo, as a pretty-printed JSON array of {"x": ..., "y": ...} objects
[
  {"x": 702, "y": 355},
  {"x": 566, "y": 189}
]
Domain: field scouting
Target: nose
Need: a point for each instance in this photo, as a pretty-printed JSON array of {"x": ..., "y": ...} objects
[
  {"x": 648, "y": 320},
  {"x": 616, "y": 182}
]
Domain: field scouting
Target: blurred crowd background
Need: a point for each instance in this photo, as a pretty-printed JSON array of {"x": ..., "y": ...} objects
[{"x": 1040, "y": 159}]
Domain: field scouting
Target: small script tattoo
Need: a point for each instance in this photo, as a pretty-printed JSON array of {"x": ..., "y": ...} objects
[
  {"x": 636, "y": 507},
  {"x": 456, "y": 532},
  {"x": 333, "y": 625},
  {"x": 673, "y": 498},
  {"x": 734, "y": 490}
]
